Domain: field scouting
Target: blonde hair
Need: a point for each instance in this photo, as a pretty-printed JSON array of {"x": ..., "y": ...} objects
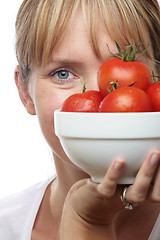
[{"x": 41, "y": 24}]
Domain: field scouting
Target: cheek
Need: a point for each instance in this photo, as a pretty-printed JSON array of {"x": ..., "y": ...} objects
[
  {"x": 45, "y": 107},
  {"x": 46, "y": 103}
]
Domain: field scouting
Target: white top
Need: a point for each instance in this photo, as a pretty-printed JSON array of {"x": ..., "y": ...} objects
[{"x": 18, "y": 213}]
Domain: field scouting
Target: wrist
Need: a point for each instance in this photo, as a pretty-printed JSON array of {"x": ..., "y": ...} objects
[{"x": 72, "y": 225}]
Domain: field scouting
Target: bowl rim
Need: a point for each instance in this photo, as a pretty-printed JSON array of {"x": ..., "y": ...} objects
[
  {"x": 107, "y": 126},
  {"x": 107, "y": 113}
]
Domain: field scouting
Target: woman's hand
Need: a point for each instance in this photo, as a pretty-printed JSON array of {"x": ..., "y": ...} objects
[
  {"x": 147, "y": 182},
  {"x": 90, "y": 209}
]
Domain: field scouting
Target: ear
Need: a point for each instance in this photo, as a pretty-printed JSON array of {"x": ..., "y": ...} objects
[{"x": 24, "y": 92}]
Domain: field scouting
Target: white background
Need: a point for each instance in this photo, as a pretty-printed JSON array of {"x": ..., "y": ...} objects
[{"x": 24, "y": 155}]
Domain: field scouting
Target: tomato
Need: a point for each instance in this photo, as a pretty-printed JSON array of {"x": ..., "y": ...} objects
[
  {"x": 88, "y": 101},
  {"x": 153, "y": 92},
  {"x": 126, "y": 99},
  {"x": 125, "y": 73}
]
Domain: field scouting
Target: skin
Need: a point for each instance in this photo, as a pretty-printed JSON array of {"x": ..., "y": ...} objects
[{"x": 64, "y": 203}]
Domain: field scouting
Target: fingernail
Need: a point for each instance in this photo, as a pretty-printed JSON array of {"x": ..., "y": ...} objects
[
  {"x": 155, "y": 158},
  {"x": 118, "y": 165}
]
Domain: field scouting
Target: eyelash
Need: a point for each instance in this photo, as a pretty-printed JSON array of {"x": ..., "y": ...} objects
[{"x": 63, "y": 81}]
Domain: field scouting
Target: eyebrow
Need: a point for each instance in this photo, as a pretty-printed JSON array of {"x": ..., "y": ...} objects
[
  {"x": 73, "y": 62},
  {"x": 64, "y": 61}
]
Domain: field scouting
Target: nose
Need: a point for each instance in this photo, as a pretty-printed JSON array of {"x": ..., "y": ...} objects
[{"x": 92, "y": 83}]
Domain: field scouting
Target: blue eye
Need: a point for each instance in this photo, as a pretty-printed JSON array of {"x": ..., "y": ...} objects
[
  {"x": 63, "y": 77},
  {"x": 63, "y": 74}
]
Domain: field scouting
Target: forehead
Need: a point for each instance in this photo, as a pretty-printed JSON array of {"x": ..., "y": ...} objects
[
  {"x": 77, "y": 42},
  {"x": 80, "y": 27},
  {"x": 75, "y": 47}
]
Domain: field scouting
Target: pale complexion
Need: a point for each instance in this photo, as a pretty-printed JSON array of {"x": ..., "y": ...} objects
[{"x": 73, "y": 62}]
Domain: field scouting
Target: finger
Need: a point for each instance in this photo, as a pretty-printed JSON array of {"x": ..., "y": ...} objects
[
  {"x": 138, "y": 191},
  {"x": 108, "y": 186},
  {"x": 155, "y": 193}
]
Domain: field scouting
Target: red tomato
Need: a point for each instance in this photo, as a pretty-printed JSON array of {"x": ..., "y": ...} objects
[
  {"x": 126, "y": 99},
  {"x": 153, "y": 92},
  {"x": 83, "y": 102},
  {"x": 125, "y": 73}
]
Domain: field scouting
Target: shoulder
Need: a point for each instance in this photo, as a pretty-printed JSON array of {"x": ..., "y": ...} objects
[{"x": 18, "y": 212}]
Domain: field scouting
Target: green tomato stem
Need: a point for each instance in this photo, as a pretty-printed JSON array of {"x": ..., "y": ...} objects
[{"x": 130, "y": 53}]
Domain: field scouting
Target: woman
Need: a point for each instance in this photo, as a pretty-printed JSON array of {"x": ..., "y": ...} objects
[{"x": 60, "y": 44}]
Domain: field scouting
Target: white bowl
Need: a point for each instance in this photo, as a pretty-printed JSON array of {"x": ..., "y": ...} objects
[{"x": 93, "y": 140}]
